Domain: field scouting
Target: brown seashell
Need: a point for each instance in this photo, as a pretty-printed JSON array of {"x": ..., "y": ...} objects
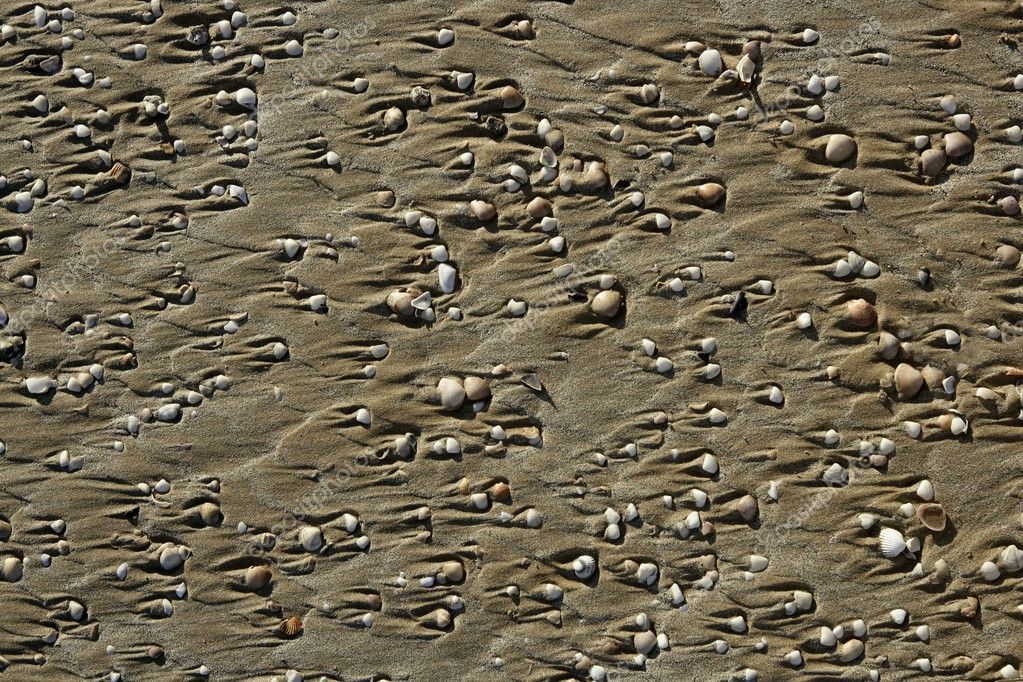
[
  {"x": 878, "y": 460},
  {"x": 932, "y": 515},
  {"x": 1007, "y": 255},
  {"x": 441, "y": 617},
  {"x": 539, "y": 208},
  {"x": 860, "y": 313},
  {"x": 606, "y": 303},
  {"x": 476, "y": 388},
  {"x": 501, "y": 492},
  {"x": 932, "y": 162},
  {"x": 292, "y": 627},
  {"x": 155, "y": 652},
  {"x": 453, "y": 571},
  {"x": 748, "y": 508},
  {"x": 753, "y": 49},
  {"x": 257, "y": 577},
  {"x": 932, "y": 377},
  {"x": 555, "y": 139},
  {"x": 971, "y": 607},
  {"x": 120, "y": 173},
  {"x": 400, "y": 302},
  {"x": 210, "y": 514},
  {"x": 711, "y": 193},
  {"x": 384, "y": 198},
  {"x": 707, "y": 529},
  {"x": 511, "y": 97},
  {"x": 644, "y": 642},
  {"x": 953, "y": 40},
  {"x": 957, "y": 145},
  {"x": 5, "y": 529},
  {"x": 1013, "y": 372},
  {"x": 483, "y": 210},
  {"x": 908, "y": 381}
]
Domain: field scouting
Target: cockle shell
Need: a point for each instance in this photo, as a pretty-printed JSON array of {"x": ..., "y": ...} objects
[
  {"x": 932, "y": 515},
  {"x": 1011, "y": 559},
  {"x": 892, "y": 542},
  {"x": 291, "y": 627}
]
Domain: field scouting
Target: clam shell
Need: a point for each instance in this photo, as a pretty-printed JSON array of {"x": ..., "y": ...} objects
[
  {"x": 850, "y": 650},
  {"x": 908, "y": 381},
  {"x": 451, "y": 393},
  {"x": 748, "y": 508},
  {"x": 1012, "y": 559},
  {"x": 291, "y": 627},
  {"x": 257, "y": 577},
  {"x": 892, "y": 542},
  {"x": 839, "y": 149},
  {"x": 932, "y": 515},
  {"x": 860, "y": 313},
  {"x": 606, "y": 303}
]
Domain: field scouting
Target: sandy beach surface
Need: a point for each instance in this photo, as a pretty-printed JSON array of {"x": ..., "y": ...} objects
[{"x": 590, "y": 340}]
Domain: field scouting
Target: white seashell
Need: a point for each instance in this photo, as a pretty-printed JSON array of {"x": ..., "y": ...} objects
[
  {"x": 923, "y": 664},
  {"x": 925, "y": 490},
  {"x": 772, "y": 490},
  {"x": 815, "y": 85},
  {"x": 923, "y": 632},
  {"x": 898, "y": 616},
  {"x": 737, "y": 624},
  {"x": 776, "y": 396},
  {"x": 710, "y": 62},
  {"x": 1011, "y": 559},
  {"x": 699, "y": 497},
  {"x": 867, "y": 521},
  {"x": 647, "y": 573},
  {"x": 831, "y": 437},
  {"x": 75, "y": 610},
  {"x": 310, "y": 538},
  {"x": 802, "y": 599},
  {"x": 745, "y": 68},
  {"x": 892, "y": 542},
  {"x": 584, "y": 566},
  {"x": 855, "y": 200},
  {"x": 804, "y": 321},
  {"x": 716, "y": 416},
  {"x": 710, "y": 464},
  {"x": 810, "y": 36},
  {"x": 828, "y": 636},
  {"x": 907, "y": 509},
  {"x": 1009, "y": 672},
  {"x": 913, "y": 429},
  {"x": 757, "y": 563},
  {"x": 836, "y": 475},
  {"x": 793, "y": 658},
  {"x": 989, "y": 571}
]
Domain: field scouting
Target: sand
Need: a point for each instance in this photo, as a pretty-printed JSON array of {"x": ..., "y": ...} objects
[{"x": 165, "y": 293}]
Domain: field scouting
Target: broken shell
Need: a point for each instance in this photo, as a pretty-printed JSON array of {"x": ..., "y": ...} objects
[{"x": 932, "y": 515}]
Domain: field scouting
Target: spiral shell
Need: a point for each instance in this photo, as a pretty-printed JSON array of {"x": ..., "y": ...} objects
[{"x": 584, "y": 566}]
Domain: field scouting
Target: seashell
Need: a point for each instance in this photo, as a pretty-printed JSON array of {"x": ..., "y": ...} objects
[
  {"x": 11, "y": 569},
  {"x": 511, "y": 98},
  {"x": 827, "y": 637},
  {"x": 483, "y": 210},
  {"x": 500, "y": 492},
  {"x": 908, "y": 381},
  {"x": 746, "y": 68},
  {"x": 971, "y": 607},
  {"x": 989, "y": 571},
  {"x": 257, "y": 577},
  {"x": 892, "y": 542},
  {"x": 748, "y": 508},
  {"x": 584, "y": 566},
  {"x": 644, "y": 642},
  {"x": 646, "y": 573},
  {"x": 310, "y": 538},
  {"x": 292, "y": 627},
  {"x": 752, "y": 49},
  {"x": 710, "y": 62},
  {"x": 932, "y": 515},
  {"x": 860, "y": 313},
  {"x": 1011, "y": 559},
  {"x": 925, "y": 490},
  {"x": 850, "y": 650},
  {"x": 1007, "y": 255},
  {"x": 210, "y": 514},
  {"x": 898, "y": 616},
  {"x": 803, "y": 600},
  {"x": 888, "y": 345},
  {"x": 737, "y": 624},
  {"x": 933, "y": 377},
  {"x": 606, "y": 303},
  {"x": 957, "y": 145},
  {"x": 476, "y": 388},
  {"x": 839, "y": 149},
  {"x": 452, "y": 393},
  {"x": 932, "y": 162},
  {"x": 710, "y": 193}
]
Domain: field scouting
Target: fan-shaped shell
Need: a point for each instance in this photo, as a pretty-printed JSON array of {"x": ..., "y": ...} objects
[{"x": 892, "y": 542}]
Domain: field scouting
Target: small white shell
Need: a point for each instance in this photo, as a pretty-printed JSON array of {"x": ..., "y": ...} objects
[{"x": 584, "y": 566}]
